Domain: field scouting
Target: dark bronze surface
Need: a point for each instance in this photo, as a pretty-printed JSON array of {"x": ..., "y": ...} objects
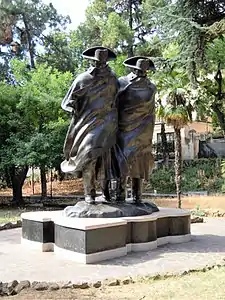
[
  {"x": 136, "y": 118},
  {"x": 90, "y": 146},
  {"x": 110, "y": 134}
]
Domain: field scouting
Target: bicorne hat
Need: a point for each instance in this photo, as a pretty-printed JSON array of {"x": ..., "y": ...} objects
[
  {"x": 141, "y": 63},
  {"x": 99, "y": 53}
]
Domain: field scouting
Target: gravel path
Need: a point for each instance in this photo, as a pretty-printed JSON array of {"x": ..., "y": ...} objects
[{"x": 18, "y": 262}]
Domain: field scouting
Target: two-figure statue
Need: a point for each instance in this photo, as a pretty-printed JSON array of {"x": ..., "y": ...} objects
[{"x": 110, "y": 134}]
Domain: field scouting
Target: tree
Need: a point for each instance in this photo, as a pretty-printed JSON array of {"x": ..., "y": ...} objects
[
  {"x": 195, "y": 26},
  {"x": 6, "y": 25},
  {"x": 164, "y": 144},
  {"x": 63, "y": 51},
  {"x": 173, "y": 88},
  {"x": 30, "y": 19},
  {"x": 14, "y": 132},
  {"x": 42, "y": 93},
  {"x": 33, "y": 124},
  {"x": 116, "y": 24},
  {"x": 211, "y": 82},
  {"x": 176, "y": 114}
]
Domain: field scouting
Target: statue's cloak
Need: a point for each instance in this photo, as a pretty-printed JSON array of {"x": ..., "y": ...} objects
[
  {"x": 136, "y": 119},
  {"x": 91, "y": 136}
]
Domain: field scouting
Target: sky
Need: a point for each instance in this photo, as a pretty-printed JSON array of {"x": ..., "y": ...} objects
[{"x": 74, "y": 8}]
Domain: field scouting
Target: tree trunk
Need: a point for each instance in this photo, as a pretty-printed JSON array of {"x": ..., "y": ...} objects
[
  {"x": 30, "y": 42},
  {"x": 18, "y": 176},
  {"x": 178, "y": 163},
  {"x": 218, "y": 105},
  {"x": 60, "y": 173},
  {"x": 220, "y": 116},
  {"x": 130, "y": 50},
  {"x": 7, "y": 178},
  {"x": 165, "y": 151},
  {"x": 33, "y": 180},
  {"x": 51, "y": 179},
  {"x": 43, "y": 183}
]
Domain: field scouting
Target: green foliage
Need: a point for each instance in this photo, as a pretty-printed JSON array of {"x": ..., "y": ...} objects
[
  {"x": 197, "y": 175},
  {"x": 117, "y": 24},
  {"x": 118, "y": 67},
  {"x": 198, "y": 212},
  {"x": 162, "y": 180},
  {"x": 176, "y": 116},
  {"x": 33, "y": 123},
  {"x": 119, "y": 31},
  {"x": 215, "y": 52},
  {"x": 173, "y": 87},
  {"x": 31, "y": 20},
  {"x": 63, "y": 51}
]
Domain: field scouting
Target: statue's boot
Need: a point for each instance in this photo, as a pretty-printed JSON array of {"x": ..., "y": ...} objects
[
  {"x": 136, "y": 190},
  {"x": 89, "y": 186},
  {"x": 105, "y": 190},
  {"x": 121, "y": 190}
]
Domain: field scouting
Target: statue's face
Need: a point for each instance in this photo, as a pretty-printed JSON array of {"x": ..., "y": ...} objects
[
  {"x": 143, "y": 64},
  {"x": 140, "y": 72},
  {"x": 99, "y": 64},
  {"x": 101, "y": 56}
]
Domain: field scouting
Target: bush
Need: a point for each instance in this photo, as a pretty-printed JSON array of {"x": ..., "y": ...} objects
[
  {"x": 162, "y": 180},
  {"x": 197, "y": 175}
]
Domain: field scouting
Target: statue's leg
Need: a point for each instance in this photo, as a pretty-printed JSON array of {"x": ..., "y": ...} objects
[
  {"x": 121, "y": 190},
  {"x": 89, "y": 184},
  {"x": 105, "y": 189},
  {"x": 137, "y": 190}
]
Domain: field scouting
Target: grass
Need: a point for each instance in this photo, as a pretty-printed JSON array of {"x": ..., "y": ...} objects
[
  {"x": 11, "y": 215},
  {"x": 198, "y": 286}
]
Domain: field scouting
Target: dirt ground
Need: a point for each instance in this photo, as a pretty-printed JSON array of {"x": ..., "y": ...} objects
[
  {"x": 198, "y": 286},
  {"x": 193, "y": 202},
  {"x": 58, "y": 188},
  {"x": 70, "y": 187}
]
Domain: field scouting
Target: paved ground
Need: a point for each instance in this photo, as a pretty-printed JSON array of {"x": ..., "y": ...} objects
[{"x": 206, "y": 247}]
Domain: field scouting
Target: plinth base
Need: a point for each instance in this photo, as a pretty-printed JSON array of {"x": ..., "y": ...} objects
[
  {"x": 91, "y": 240},
  {"x": 102, "y": 209}
]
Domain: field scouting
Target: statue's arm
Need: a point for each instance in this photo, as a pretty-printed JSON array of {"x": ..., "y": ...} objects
[
  {"x": 123, "y": 84},
  {"x": 69, "y": 100},
  {"x": 152, "y": 101},
  {"x": 76, "y": 92},
  {"x": 152, "y": 111}
]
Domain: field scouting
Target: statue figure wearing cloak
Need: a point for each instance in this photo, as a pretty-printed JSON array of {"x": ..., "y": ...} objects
[
  {"x": 136, "y": 119},
  {"x": 90, "y": 146}
]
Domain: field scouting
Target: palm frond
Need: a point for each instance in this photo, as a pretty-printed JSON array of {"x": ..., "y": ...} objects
[
  {"x": 160, "y": 112},
  {"x": 176, "y": 116}
]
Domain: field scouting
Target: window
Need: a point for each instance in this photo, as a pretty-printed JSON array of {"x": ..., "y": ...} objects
[
  {"x": 159, "y": 147},
  {"x": 169, "y": 137}
]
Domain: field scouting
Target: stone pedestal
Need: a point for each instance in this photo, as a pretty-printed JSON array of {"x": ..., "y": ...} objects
[
  {"x": 38, "y": 230},
  {"x": 141, "y": 233},
  {"x": 173, "y": 226},
  {"x": 91, "y": 240}
]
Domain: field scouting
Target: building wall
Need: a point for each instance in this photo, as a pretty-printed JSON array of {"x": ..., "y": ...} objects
[{"x": 190, "y": 135}]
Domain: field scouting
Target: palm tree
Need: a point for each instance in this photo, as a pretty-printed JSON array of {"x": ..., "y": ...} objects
[
  {"x": 177, "y": 112},
  {"x": 165, "y": 150}
]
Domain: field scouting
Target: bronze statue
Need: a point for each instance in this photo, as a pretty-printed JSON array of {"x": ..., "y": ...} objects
[
  {"x": 136, "y": 118},
  {"x": 90, "y": 147}
]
